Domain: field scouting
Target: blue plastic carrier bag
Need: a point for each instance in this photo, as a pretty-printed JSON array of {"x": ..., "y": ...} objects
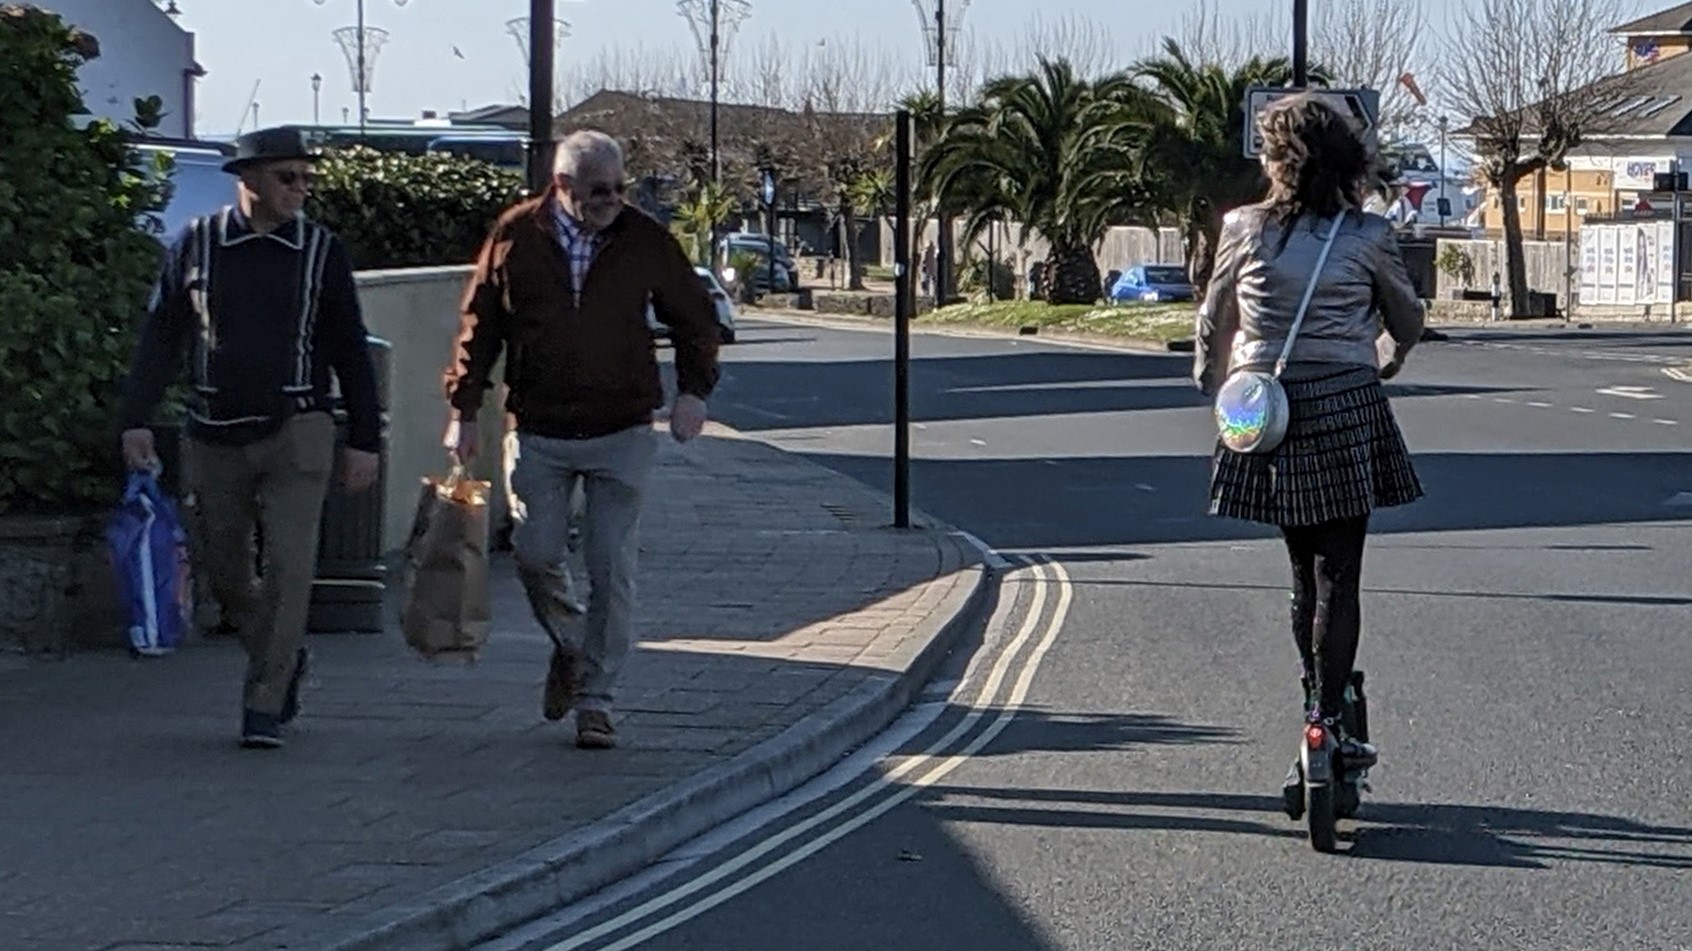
[{"x": 149, "y": 553}]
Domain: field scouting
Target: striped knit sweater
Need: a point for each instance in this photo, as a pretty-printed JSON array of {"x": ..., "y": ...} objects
[{"x": 264, "y": 319}]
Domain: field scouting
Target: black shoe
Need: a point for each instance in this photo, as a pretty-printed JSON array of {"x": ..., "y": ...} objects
[
  {"x": 260, "y": 731},
  {"x": 1353, "y": 754},
  {"x": 291, "y": 700}
]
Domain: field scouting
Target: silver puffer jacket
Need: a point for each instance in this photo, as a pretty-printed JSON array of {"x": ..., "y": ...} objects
[{"x": 1257, "y": 287}]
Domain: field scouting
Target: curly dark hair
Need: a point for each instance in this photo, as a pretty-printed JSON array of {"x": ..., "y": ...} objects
[{"x": 1315, "y": 160}]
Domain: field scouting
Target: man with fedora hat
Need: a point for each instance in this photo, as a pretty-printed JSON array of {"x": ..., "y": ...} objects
[{"x": 262, "y": 301}]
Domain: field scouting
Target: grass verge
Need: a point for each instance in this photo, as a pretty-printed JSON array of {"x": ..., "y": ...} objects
[{"x": 1160, "y": 323}]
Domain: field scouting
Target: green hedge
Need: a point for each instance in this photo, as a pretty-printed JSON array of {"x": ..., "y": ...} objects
[
  {"x": 75, "y": 272},
  {"x": 395, "y": 210}
]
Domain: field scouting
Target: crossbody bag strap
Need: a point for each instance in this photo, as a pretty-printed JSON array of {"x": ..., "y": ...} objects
[{"x": 1309, "y": 292}]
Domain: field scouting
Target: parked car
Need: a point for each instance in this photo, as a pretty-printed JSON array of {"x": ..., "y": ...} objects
[
  {"x": 719, "y": 297},
  {"x": 786, "y": 269},
  {"x": 1153, "y": 282}
]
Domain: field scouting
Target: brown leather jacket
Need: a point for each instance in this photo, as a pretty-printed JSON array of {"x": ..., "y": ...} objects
[{"x": 579, "y": 372}]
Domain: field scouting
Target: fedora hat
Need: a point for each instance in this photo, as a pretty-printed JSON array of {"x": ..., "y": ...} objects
[{"x": 269, "y": 145}]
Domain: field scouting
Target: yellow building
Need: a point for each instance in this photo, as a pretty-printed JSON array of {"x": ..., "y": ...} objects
[{"x": 1648, "y": 130}]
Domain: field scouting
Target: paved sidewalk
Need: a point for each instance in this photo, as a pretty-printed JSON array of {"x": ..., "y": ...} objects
[{"x": 427, "y": 805}]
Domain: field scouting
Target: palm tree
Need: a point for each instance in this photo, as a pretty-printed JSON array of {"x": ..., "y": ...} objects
[
  {"x": 1057, "y": 153},
  {"x": 697, "y": 218},
  {"x": 1194, "y": 157}
]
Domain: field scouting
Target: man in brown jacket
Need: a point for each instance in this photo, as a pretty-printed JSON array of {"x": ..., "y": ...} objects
[{"x": 562, "y": 288}]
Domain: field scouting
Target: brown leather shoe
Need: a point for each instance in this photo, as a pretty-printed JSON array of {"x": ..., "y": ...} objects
[
  {"x": 594, "y": 730},
  {"x": 561, "y": 683}
]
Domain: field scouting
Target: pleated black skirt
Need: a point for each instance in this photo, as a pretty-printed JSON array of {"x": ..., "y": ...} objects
[{"x": 1343, "y": 457}]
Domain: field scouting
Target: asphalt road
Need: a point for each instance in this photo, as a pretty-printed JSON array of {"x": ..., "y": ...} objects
[{"x": 1525, "y": 639}]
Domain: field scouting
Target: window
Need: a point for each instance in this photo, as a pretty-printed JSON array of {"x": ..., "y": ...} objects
[
  {"x": 1554, "y": 203},
  {"x": 1580, "y": 206}
]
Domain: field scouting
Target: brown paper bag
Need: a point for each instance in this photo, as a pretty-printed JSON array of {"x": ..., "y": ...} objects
[{"x": 446, "y": 611}]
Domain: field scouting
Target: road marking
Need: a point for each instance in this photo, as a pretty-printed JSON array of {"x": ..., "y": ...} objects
[
  {"x": 1582, "y": 409},
  {"x": 978, "y": 709},
  {"x": 1678, "y": 374},
  {"x": 1502, "y": 399},
  {"x": 1666, "y": 422},
  {"x": 760, "y": 411},
  {"x": 1631, "y": 392},
  {"x": 1539, "y": 404},
  {"x": 978, "y": 442},
  {"x": 1471, "y": 396},
  {"x": 1623, "y": 416}
]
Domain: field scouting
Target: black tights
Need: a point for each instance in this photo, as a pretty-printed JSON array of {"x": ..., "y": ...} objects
[{"x": 1327, "y": 565}]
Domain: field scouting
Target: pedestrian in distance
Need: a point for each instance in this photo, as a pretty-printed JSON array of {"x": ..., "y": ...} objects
[
  {"x": 561, "y": 289},
  {"x": 262, "y": 302}
]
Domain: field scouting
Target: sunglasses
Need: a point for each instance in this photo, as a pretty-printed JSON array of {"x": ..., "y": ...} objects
[
  {"x": 603, "y": 190},
  {"x": 290, "y": 178}
]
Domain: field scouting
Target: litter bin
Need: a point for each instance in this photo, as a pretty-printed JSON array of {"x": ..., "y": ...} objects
[{"x": 350, "y": 590}]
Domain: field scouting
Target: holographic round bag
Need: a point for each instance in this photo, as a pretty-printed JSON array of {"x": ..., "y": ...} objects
[
  {"x": 1251, "y": 412},
  {"x": 1251, "y": 407}
]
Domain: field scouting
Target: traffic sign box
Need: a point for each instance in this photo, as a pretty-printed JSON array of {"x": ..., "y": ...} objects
[{"x": 1363, "y": 106}]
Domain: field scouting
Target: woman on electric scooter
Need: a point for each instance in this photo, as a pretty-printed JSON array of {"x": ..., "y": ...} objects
[{"x": 1343, "y": 454}]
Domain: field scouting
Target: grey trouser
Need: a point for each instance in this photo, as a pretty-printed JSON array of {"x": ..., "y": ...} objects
[
  {"x": 278, "y": 485},
  {"x": 613, "y": 472}
]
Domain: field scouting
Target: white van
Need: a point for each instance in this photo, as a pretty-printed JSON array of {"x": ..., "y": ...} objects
[{"x": 200, "y": 186}]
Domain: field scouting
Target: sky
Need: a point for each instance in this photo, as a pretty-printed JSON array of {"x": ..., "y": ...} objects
[{"x": 276, "y": 45}]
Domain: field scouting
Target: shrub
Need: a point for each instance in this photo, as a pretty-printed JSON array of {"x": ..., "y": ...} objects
[
  {"x": 75, "y": 271},
  {"x": 1454, "y": 262},
  {"x": 396, "y": 210}
]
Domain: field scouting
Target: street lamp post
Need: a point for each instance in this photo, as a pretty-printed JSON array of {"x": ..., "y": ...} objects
[
  {"x": 1301, "y": 43},
  {"x": 714, "y": 23},
  {"x": 769, "y": 192},
  {"x": 316, "y": 101},
  {"x": 361, "y": 76},
  {"x": 938, "y": 30},
  {"x": 1444, "y": 199}
]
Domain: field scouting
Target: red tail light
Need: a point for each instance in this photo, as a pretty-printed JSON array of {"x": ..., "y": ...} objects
[{"x": 1314, "y": 735}]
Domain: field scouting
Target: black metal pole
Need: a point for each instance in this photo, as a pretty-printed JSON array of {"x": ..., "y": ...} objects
[
  {"x": 943, "y": 247},
  {"x": 902, "y": 301},
  {"x": 716, "y": 162},
  {"x": 362, "y": 109},
  {"x": 716, "y": 165},
  {"x": 772, "y": 230},
  {"x": 542, "y": 17},
  {"x": 1301, "y": 43}
]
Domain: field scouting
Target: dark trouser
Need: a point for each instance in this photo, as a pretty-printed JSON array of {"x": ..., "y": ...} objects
[
  {"x": 1327, "y": 566},
  {"x": 277, "y": 484}
]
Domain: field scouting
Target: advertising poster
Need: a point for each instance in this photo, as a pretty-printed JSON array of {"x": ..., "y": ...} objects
[
  {"x": 1607, "y": 264},
  {"x": 1589, "y": 264},
  {"x": 1665, "y": 262},
  {"x": 1627, "y": 263}
]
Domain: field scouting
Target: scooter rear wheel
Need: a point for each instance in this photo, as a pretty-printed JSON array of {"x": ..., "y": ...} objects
[{"x": 1319, "y": 802}]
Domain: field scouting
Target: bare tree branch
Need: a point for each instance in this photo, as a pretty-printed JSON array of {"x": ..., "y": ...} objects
[
  {"x": 1536, "y": 78},
  {"x": 1371, "y": 43},
  {"x": 1208, "y": 37}
]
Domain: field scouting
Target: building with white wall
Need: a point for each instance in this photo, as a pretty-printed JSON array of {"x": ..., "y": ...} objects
[{"x": 143, "y": 52}]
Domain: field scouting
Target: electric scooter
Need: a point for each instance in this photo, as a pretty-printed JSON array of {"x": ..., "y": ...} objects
[{"x": 1322, "y": 786}]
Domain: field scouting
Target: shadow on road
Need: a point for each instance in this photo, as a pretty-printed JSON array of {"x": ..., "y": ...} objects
[
  {"x": 1404, "y": 832},
  {"x": 834, "y": 393},
  {"x": 1622, "y": 600},
  {"x": 1083, "y": 501}
]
